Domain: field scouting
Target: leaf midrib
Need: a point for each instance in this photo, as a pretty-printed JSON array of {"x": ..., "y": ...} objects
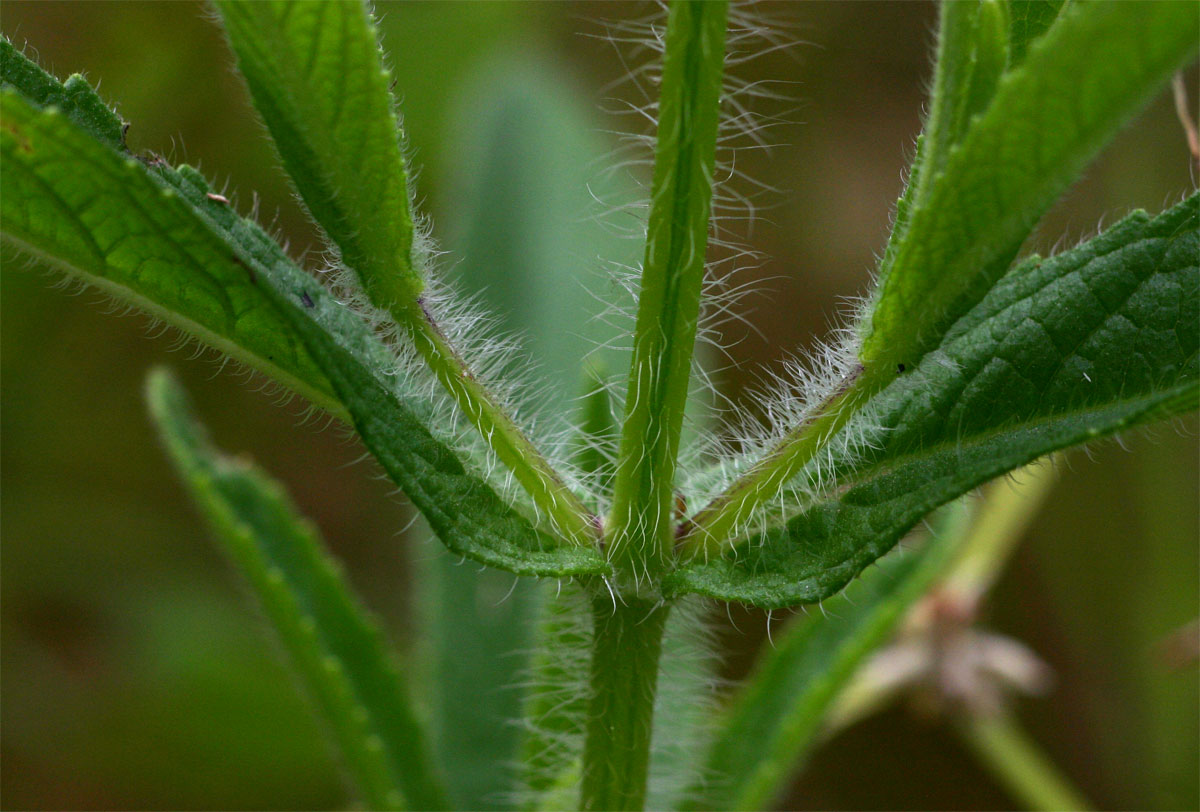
[{"x": 892, "y": 464}]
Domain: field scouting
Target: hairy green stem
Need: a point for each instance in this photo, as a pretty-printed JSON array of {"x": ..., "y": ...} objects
[
  {"x": 510, "y": 445},
  {"x": 1019, "y": 764},
  {"x": 641, "y": 527},
  {"x": 626, "y": 646},
  {"x": 718, "y": 524}
]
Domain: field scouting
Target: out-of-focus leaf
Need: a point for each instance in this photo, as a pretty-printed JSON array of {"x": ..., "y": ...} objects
[
  {"x": 336, "y": 648},
  {"x": 524, "y": 160},
  {"x": 777, "y": 715}
]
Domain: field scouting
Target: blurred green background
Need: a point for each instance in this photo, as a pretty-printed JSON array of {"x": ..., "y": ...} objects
[{"x": 135, "y": 673}]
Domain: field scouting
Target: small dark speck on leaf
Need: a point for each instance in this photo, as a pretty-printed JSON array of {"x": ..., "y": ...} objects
[
  {"x": 304, "y": 297},
  {"x": 152, "y": 159},
  {"x": 900, "y": 367}
]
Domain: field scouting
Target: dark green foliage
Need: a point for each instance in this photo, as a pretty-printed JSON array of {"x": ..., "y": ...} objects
[
  {"x": 968, "y": 366},
  {"x": 1060, "y": 351}
]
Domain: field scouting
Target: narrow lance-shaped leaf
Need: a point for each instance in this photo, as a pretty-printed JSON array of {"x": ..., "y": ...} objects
[
  {"x": 156, "y": 237},
  {"x": 1062, "y": 351},
  {"x": 672, "y": 278},
  {"x": 776, "y": 718},
  {"x": 84, "y": 209},
  {"x": 973, "y": 46},
  {"x": 1079, "y": 83},
  {"x": 315, "y": 73},
  {"x": 977, "y": 41},
  {"x": 70, "y": 200},
  {"x": 336, "y": 648}
]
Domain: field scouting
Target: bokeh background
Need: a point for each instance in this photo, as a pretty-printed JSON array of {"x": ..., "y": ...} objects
[{"x": 136, "y": 674}]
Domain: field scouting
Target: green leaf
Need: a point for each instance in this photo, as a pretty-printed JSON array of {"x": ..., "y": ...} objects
[
  {"x": 774, "y": 720},
  {"x": 1078, "y": 84},
  {"x": 75, "y": 99},
  {"x": 316, "y": 75},
  {"x": 556, "y": 700},
  {"x": 1061, "y": 351},
  {"x": 334, "y": 645},
  {"x": 525, "y": 231},
  {"x": 157, "y": 238},
  {"x": 1028, "y": 20},
  {"x": 154, "y": 237},
  {"x": 463, "y": 510},
  {"x": 80, "y": 207},
  {"x": 315, "y": 72},
  {"x": 957, "y": 229},
  {"x": 672, "y": 278},
  {"x": 972, "y": 55}
]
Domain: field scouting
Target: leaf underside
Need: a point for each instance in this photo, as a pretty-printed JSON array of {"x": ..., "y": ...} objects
[{"x": 1061, "y": 351}]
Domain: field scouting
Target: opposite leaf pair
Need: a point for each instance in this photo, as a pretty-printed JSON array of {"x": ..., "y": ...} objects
[
  {"x": 999, "y": 368},
  {"x": 963, "y": 365}
]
